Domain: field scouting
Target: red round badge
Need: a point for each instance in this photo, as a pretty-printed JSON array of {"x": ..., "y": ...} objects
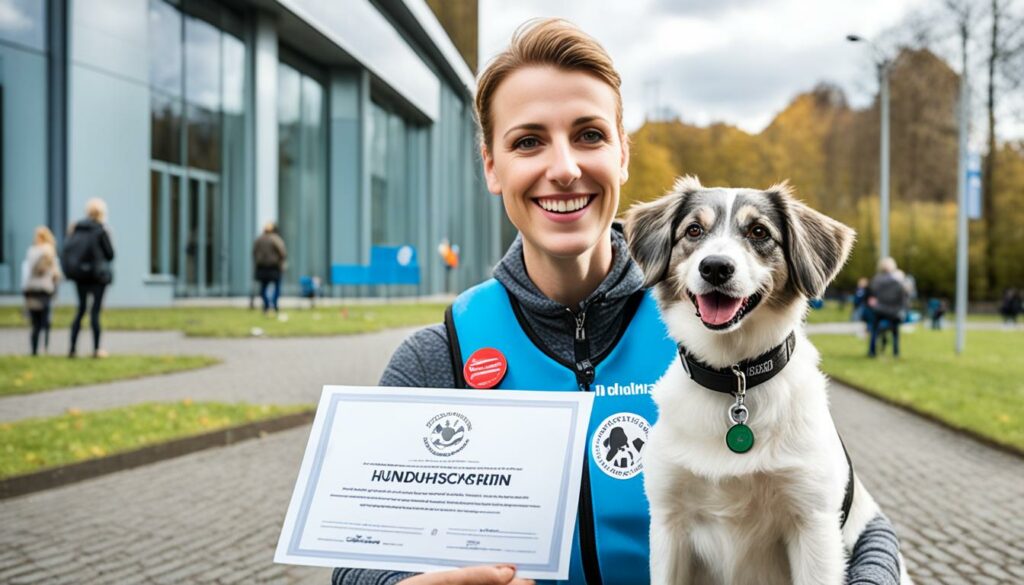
[{"x": 485, "y": 368}]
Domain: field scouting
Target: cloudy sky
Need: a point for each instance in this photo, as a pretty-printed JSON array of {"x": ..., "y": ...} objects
[{"x": 738, "y": 61}]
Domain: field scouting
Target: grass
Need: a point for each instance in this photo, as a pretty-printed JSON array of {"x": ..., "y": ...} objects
[
  {"x": 26, "y": 374},
  {"x": 34, "y": 444},
  {"x": 240, "y": 322},
  {"x": 831, "y": 313},
  {"x": 981, "y": 391}
]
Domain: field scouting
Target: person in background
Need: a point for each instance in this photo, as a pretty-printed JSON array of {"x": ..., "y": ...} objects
[
  {"x": 268, "y": 255},
  {"x": 936, "y": 310},
  {"x": 40, "y": 274},
  {"x": 861, "y": 311},
  {"x": 86, "y": 259},
  {"x": 1011, "y": 306},
  {"x": 888, "y": 297}
]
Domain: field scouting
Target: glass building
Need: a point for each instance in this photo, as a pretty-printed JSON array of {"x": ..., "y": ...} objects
[{"x": 348, "y": 123}]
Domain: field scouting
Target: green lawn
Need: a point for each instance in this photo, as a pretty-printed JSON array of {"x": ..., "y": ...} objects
[
  {"x": 981, "y": 391},
  {"x": 26, "y": 374},
  {"x": 831, "y": 313},
  {"x": 35, "y": 444},
  {"x": 240, "y": 322}
]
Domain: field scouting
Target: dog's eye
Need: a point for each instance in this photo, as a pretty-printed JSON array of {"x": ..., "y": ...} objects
[
  {"x": 694, "y": 230},
  {"x": 758, "y": 232}
]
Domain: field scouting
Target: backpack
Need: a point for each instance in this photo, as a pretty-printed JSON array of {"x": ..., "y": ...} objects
[{"x": 80, "y": 254}]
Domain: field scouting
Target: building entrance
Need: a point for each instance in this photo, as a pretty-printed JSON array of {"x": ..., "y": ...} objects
[{"x": 193, "y": 242}]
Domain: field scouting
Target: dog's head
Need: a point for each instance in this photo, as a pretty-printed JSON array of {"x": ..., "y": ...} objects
[{"x": 730, "y": 257}]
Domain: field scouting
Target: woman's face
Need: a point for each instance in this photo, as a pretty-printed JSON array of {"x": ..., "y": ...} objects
[{"x": 556, "y": 158}]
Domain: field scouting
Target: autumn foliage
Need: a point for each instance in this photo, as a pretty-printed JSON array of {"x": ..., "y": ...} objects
[{"x": 829, "y": 152}]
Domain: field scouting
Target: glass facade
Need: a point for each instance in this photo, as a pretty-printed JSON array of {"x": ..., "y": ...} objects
[
  {"x": 343, "y": 157},
  {"x": 23, "y": 131},
  {"x": 23, "y": 22},
  {"x": 302, "y": 174},
  {"x": 197, "y": 105},
  {"x": 390, "y": 205}
]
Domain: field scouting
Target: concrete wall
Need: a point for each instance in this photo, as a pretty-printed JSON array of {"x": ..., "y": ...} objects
[{"x": 23, "y": 77}]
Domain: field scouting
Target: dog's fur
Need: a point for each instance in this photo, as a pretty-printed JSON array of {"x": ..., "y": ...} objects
[{"x": 771, "y": 515}]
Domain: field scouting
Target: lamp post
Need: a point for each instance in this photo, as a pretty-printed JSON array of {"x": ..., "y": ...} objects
[{"x": 882, "y": 63}]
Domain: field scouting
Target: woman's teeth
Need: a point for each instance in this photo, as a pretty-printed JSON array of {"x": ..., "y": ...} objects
[{"x": 564, "y": 205}]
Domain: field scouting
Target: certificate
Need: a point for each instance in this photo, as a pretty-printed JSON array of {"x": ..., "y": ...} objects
[{"x": 418, "y": 479}]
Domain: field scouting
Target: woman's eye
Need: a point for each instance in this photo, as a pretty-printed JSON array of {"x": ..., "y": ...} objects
[
  {"x": 591, "y": 136},
  {"x": 526, "y": 143},
  {"x": 758, "y": 232},
  {"x": 694, "y": 231}
]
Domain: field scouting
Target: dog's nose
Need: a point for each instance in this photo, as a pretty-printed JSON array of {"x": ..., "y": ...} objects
[{"x": 717, "y": 269}]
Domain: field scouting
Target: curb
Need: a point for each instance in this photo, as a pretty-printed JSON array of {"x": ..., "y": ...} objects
[
  {"x": 1010, "y": 449},
  {"x": 67, "y": 474}
]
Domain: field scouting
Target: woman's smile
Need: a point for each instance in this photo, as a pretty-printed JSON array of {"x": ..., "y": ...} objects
[{"x": 565, "y": 208}]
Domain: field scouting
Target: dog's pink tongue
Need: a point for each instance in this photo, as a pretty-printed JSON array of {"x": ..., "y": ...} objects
[{"x": 716, "y": 308}]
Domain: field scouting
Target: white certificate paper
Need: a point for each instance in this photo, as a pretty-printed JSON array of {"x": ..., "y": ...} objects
[{"x": 420, "y": 479}]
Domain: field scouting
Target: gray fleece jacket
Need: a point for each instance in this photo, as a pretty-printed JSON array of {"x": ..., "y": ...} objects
[{"x": 423, "y": 360}]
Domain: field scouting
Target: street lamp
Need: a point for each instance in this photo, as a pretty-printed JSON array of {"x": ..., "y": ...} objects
[{"x": 882, "y": 63}]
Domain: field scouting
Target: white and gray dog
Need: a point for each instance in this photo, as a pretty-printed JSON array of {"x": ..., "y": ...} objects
[{"x": 747, "y": 478}]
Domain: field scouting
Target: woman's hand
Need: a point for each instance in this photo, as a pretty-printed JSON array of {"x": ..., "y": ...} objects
[{"x": 484, "y": 575}]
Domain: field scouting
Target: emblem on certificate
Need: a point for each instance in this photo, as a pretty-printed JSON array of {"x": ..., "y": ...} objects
[{"x": 447, "y": 438}]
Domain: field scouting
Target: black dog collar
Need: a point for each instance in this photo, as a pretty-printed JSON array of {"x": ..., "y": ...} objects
[{"x": 757, "y": 371}]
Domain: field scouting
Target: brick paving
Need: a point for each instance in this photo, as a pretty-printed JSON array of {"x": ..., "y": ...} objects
[{"x": 214, "y": 517}]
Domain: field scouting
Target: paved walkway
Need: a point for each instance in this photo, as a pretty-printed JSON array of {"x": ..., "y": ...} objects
[
  {"x": 214, "y": 516},
  {"x": 258, "y": 370}
]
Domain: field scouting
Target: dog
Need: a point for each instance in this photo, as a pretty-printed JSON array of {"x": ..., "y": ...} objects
[
  {"x": 732, "y": 271},
  {"x": 621, "y": 453}
]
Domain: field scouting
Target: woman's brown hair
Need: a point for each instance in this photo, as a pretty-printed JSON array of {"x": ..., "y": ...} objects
[{"x": 550, "y": 42}]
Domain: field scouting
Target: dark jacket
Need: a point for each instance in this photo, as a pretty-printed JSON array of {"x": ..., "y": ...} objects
[
  {"x": 891, "y": 295},
  {"x": 268, "y": 255},
  {"x": 93, "y": 264}
]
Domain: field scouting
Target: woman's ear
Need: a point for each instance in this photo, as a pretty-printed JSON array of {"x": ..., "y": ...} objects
[
  {"x": 624, "y": 166},
  {"x": 493, "y": 184}
]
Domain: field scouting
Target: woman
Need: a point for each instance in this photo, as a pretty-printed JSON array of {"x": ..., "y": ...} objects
[
  {"x": 566, "y": 297},
  {"x": 40, "y": 275},
  {"x": 86, "y": 257}
]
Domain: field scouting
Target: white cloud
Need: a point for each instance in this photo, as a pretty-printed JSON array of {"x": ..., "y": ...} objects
[{"x": 737, "y": 61}]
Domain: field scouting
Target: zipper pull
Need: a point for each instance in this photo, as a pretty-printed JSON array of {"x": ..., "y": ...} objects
[{"x": 581, "y": 333}]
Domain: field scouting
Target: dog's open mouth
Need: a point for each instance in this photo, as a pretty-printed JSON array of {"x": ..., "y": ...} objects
[{"x": 719, "y": 311}]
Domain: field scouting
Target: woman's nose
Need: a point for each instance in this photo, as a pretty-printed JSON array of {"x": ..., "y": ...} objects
[{"x": 563, "y": 168}]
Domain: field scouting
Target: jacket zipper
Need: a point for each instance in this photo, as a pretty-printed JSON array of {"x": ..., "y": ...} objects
[{"x": 584, "y": 378}]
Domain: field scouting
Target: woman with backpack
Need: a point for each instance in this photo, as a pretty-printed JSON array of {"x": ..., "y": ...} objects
[
  {"x": 40, "y": 274},
  {"x": 86, "y": 258}
]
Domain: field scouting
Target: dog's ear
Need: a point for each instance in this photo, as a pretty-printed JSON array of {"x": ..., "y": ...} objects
[
  {"x": 649, "y": 229},
  {"x": 816, "y": 246}
]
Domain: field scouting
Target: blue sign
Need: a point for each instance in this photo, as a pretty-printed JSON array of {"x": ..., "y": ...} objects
[
  {"x": 388, "y": 265},
  {"x": 974, "y": 186}
]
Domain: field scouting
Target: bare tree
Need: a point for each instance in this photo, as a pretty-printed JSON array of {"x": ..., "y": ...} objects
[{"x": 1005, "y": 53}]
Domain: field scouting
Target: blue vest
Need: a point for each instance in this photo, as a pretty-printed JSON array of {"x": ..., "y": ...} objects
[{"x": 611, "y": 536}]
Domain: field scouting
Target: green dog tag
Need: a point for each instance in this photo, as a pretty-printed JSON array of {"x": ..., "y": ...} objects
[{"x": 739, "y": 439}]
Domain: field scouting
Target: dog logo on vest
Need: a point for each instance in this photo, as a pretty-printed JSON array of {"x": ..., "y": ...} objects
[
  {"x": 617, "y": 446},
  {"x": 447, "y": 433}
]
